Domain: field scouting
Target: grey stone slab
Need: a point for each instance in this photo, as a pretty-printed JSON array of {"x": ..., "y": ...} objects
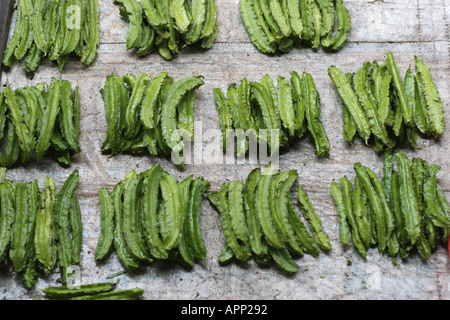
[{"x": 405, "y": 27}]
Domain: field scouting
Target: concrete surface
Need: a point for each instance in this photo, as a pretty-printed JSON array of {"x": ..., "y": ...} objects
[{"x": 405, "y": 27}]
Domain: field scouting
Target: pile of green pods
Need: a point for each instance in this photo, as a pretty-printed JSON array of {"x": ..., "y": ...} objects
[
  {"x": 259, "y": 220},
  {"x": 386, "y": 110},
  {"x": 55, "y": 29},
  {"x": 40, "y": 230},
  {"x": 152, "y": 215},
  {"x": 292, "y": 108},
  {"x": 167, "y": 25},
  {"x": 405, "y": 212},
  {"x": 280, "y": 25},
  {"x": 39, "y": 121},
  {"x": 149, "y": 114}
]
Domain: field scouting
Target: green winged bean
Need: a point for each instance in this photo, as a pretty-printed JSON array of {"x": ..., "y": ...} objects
[
  {"x": 132, "y": 188},
  {"x": 209, "y": 27},
  {"x": 313, "y": 219},
  {"x": 254, "y": 228},
  {"x": 350, "y": 100},
  {"x": 347, "y": 197},
  {"x": 408, "y": 199},
  {"x": 399, "y": 88},
  {"x": 124, "y": 253},
  {"x": 129, "y": 294},
  {"x": 6, "y": 218},
  {"x": 376, "y": 205},
  {"x": 312, "y": 111},
  {"x": 433, "y": 100},
  {"x": 44, "y": 241},
  {"x": 76, "y": 226},
  {"x": 172, "y": 218},
  {"x": 283, "y": 260},
  {"x": 48, "y": 118},
  {"x": 197, "y": 190},
  {"x": 168, "y": 109},
  {"x": 64, "y": 292},
  {"x": 305, "y": 240},
  {"x": 151, "y": 192},
  {"x": 343, "y": 26},
  {"x": 259, "y": 38},
  {"x": 63, "y": 203},
  {"x": 263, "y": 209},
  {"x": 105, "y": 240}
]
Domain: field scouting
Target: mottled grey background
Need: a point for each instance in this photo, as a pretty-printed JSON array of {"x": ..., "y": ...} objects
[{"x": 406, "y": 27}]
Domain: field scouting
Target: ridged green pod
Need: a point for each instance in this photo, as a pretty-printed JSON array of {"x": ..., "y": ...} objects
[
  {"x": 408, "y": 199},
  {"x": 93, "y": 38},
  {"x": 76, "y": 226},
  {"x": 347, "y": 197},
  {"x": 399, "y": 88},
  {"x": 27, "y": 32},
  {"x": 311, "y": 101},
  {"x": 151, "y": 194},
  {"x": 305, "y": 240},
  {"x": 193, "y": 227},
  {"x": 8, "y": 55},
  {"x": 236, "y": 210},
  {"x": 180, "y": 16},
  {"x": 375, "y": 205},
  {"x": 62, "y": 216},
  {"x": 129, "y": 294},
  {"x": 133, "y": 109},
  {"x": 131, "y": 221},
  {"x": 365, "y": 98},
  {"x": 225, "y": 116},
  {"x": 27, "y": 199},
  {"x": 45, "y": 236},
  {"x": 343, "y": 26},
  {"x": 150, "y": 99},
  {"x": 344, "y": 228},
  {"x": 263, "y": 209},
  {"x": 295, "y": 19},
  {"x": 257, "y": 35},
  {"x": 231, "y": 242},
  {"x": 254, "y": 228},
  {"x": 283, "y": 260},
  {"x": 37, "y": 24},
  {"x": 64, "y": 292},
  {"x": 313, "y": 219},
  {"x": 6, "y": 218},
  {"x": 279, "y": 15},
  {"x": 435, "y": 110},
  {"x": 172, "y": 216},
  {"x": 286, "y": 105},
  {"x": 280, "y": 198},
  {"x": 126, "y": 257},
  {"x": 134, "y": 14},
  {"x": 20, "y": 124},
  {"x": 69, "y": 128},
  {"x": 106, "y": 238},
  {"x": 350, "y": 100},
  {"x": 48, "y": 118},
  {"x": 210, "y": 25},
  {"x": 185, "y": 244},
  {"x": 169, "y": 107}
]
